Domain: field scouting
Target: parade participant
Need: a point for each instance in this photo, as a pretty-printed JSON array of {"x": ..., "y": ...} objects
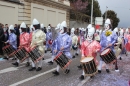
[
  {"x": 97, "y": 35},
  {"x": 81, "y": 39},
  {"x": 63, "y": 44},
  {"x": 127, "y": 46},
  {"x": 42, "y": 27},
  {"x": 55, "y": 35},
  {"x": 48, "y": 39},
  {"x": 124, "y": 43},
  {"x": 90, "y": 47},
  {"x": 12, "y": 40},
  {"x": 31, "y": 32},
  {"x": 38, "y": 37},
  {"x": 74, "y": 42},
  {"x": 107, "y": 40},
  {"x": 117, "y": 44},
  {"x": 24, "y": 42}
]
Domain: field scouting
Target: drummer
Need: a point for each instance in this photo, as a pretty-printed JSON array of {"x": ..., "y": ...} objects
[
  {"x": 12, "y": 39},
  {"x": 63, "y": 44},
  {"x": 38, "y": 37},
  {"x": 74, "y": 42},
  {"x": 107, "y": 40},
  {"x": 89, "y": 48},
  {"x": 24, "y": 42}
]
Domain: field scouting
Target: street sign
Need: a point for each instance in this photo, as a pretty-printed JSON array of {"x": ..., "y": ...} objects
[{"x": 99, "y": 21}]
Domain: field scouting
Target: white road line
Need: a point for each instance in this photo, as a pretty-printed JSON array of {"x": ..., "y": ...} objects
[
  {"x": 17, "y": 68},
  {"x": 8, "y": 70},
  {"x": 47, "y": 60},
  {"x": 84, "y": 81},
  {"x": 28, "y": 79}
]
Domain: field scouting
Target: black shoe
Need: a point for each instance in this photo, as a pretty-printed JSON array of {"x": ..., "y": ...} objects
[
  {"x": 45, "y": 51},
  {"x": 16, "y": 64},
  {"x": 91, "y": 76},
  {"x": 14, "y": 59},
  {"x": 81, "y": 77},
  {"x": 6, "y": 58},
  {"x": 51, "y": 52},
  {"x": 50, "y": 62},
  {"x": 38, "y": 69},
  {"x": 73, "y": 57},
  {"x": 120, "y": 58},
  {"x": 107, "y": 70},
  {"x": 80, "y": 67},
  {"x": 42, "y": 58},
  {"x": 67, "y": 71},
  {"x": 32, "y": 69},
  {"x": 77, "y": 54},
  {"x": 27, "y": 64},
  {"x": 55, "y": 73},
  {"x": 99, "y": 71}
]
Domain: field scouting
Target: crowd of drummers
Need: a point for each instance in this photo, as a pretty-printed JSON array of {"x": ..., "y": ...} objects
[{"x": 21, "y": 43}]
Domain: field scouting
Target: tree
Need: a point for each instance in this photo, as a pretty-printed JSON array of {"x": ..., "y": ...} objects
[
  {"x": 113, "y": 16},
  {"x": 96, "y": 8}
]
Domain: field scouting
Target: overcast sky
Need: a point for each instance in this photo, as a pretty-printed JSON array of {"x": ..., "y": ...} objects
[{"x": 121, "y": 7}]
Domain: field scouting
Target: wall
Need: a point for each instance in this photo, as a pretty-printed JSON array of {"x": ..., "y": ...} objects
[
  {"x": 8, "y": 13},
  {"x": 47, "y": 15}
]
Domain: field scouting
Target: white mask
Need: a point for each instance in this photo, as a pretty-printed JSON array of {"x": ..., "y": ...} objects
[
  {"x": 107, "y": 27},
  {"x": 61, "y": 31},
  {"x": 89, "y": 37},
  {"x": 20, "y": 31}
]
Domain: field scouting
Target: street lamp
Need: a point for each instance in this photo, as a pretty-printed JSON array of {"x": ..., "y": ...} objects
[
  {"x": 106, "y": 13},
  {"x": 92, "y": 12}
]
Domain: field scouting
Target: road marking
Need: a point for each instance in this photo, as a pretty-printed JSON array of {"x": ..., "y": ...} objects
[
  {"x": 28, "y": 79},
  {"x": 84, "y": 81},
  {"x": 47, "y": 60},
  {"x": 8, "y": 70}
]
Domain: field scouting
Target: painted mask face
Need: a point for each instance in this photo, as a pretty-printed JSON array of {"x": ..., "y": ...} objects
[
  {"x": 107, "y": 27},
  {"x": 89, "y": 37},
  {"x": 62, "y": 31}
]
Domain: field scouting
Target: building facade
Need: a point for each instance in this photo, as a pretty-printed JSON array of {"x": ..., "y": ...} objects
[{"x": 45, "y": 11}]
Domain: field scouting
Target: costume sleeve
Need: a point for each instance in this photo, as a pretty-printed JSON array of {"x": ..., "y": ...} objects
[
  {"x": 98, "y": 47},
  {"x": 114, "y": 38},
  {"x": 13, "y": 39},
  {"x": 82, "y": 49},
  {"x": 102, "y": 41},
  {"x": 69, "y": 43},
  {"x": 41, "y": 39},
  {"x": 26, "y": 39}
]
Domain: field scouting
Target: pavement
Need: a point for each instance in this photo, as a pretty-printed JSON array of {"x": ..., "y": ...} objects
[{"x": 20, "y": 76}]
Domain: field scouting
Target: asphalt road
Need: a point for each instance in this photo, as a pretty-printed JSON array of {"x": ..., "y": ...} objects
[{"x": 20, "y": 76}]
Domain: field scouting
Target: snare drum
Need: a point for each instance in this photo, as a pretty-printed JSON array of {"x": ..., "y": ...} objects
[
  {"x": 9, "y": 50},
  {"x": 108, "y": 56},
  {"x": 62, "y": 60},
  {"x": 21, "y": 54},
  {"x": 35, "y": 54},
  {"x": 89, "y": 66}
]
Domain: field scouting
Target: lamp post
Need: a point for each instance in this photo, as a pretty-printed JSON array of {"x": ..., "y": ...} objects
[
  {"x": 92, "y": 13},
  {"x": 106, "y": 13}
]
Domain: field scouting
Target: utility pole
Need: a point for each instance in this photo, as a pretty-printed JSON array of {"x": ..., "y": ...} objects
[
  {"x": 92, "y": 13},
  {"x": 106, "y": 13}
]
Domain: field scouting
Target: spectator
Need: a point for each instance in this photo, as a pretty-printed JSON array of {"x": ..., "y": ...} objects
[
  {"x": 16, "y": 28},
  {"x": 1, "y": 38}
]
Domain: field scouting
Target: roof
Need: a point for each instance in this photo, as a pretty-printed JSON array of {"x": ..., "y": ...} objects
[{"x": 14, "y": 1}]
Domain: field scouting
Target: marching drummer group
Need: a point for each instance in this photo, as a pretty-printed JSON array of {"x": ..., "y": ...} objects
[{"x": 111, "y": 44}]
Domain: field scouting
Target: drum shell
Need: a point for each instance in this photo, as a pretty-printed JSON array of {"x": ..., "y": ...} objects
[
  {"x": 89, "y": 67},
  {"x": 21, "y": 54},
  {"x": 62, "y": 60},
  {"x": 35, "y": 54},
  {"x": 9, "y": 50},
  {"x": 109, "y": 57}
]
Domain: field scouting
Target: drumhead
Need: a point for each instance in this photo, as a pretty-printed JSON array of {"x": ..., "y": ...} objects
[
  {"x": 105, "y": 51},
  {"x": 87, "y": 59}
]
